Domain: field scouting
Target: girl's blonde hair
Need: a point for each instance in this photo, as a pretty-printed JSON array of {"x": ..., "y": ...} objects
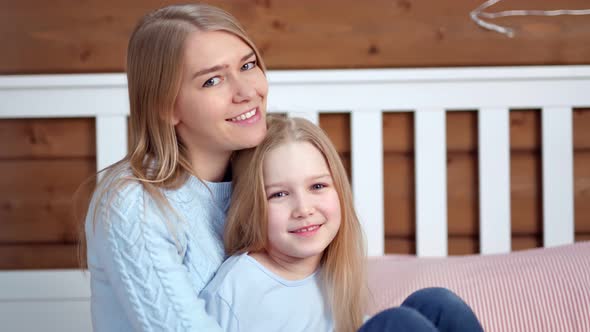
[
  {"x": 157, "y": 158},
  {"x": 343, "y": 263}
]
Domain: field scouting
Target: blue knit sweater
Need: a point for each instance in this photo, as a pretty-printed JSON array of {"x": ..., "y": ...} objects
[{"x": 143, "y": 277}]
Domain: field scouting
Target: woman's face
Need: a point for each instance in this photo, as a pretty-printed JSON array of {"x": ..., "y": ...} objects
[{"x": 221, "y": 106}]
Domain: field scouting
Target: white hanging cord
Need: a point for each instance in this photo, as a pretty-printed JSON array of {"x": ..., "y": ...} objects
[{"x": 479, "y": 11}]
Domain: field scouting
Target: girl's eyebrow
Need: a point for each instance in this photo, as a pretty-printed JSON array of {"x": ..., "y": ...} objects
[
  {"x": 219, "y": 67},
  {"x": 309, "y": 179},
  {"x": 318, "y": 177}
]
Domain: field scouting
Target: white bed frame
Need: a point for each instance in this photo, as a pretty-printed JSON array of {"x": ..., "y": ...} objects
[{"x": 59, "y": 299}]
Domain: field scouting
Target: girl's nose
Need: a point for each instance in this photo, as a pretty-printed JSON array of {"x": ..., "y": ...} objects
[{"x": 303, "y": 209}]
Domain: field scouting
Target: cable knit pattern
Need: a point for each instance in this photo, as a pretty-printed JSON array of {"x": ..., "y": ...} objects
[{"x": 142, "y": 277}]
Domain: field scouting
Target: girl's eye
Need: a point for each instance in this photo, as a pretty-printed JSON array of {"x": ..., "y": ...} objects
[
  {"x": 278, "y": 195},
  {"x": 249, "y": 65},
  {"x": 211, "y": 82},
  {"x": 318, "y": 186}
]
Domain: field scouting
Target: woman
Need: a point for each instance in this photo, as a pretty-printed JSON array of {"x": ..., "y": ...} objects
[{"x": 197, "y": 93}]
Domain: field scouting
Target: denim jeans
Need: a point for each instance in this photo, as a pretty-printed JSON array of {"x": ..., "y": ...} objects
[{"x": 426, "y": 310}]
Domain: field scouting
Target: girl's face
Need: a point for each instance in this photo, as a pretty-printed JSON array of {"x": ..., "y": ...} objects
[
  {"x": 221, "y": 106},
  {"x": 303, "y": 205}
]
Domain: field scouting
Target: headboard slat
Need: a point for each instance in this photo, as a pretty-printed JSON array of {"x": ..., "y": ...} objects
[
  {"x": 367, "y": 175},
  {"x": 111, "y": 139},
  {"x": 557, "y": 155},
  {"x": 494, "y": 180},
  {"x": 431, "y": 182}
]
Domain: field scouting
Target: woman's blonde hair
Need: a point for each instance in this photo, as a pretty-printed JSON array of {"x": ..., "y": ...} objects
[
  {"x": 155, "y": 55},
  {"x": 343, "y": 263},
  {"x": 154, "y": 73}
]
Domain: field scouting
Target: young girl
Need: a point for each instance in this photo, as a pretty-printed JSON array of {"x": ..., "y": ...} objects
[
  {"x": 297, "y": 252},
  {"x": 197, "y": 92}
]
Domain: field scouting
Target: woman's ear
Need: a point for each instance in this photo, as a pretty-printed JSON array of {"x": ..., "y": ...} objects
[{"x": 175, "y": 117}]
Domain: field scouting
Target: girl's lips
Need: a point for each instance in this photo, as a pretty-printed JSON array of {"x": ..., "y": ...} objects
[{"x": 306, "y": 231}]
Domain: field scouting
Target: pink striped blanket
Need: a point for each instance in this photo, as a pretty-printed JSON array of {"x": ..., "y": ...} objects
[{"x": 533, "y": 290}]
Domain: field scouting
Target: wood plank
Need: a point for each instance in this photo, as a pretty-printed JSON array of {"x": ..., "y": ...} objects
[
  {"x": 581, "y": 122},
  {"x": 526, "y": 242},
  {"x": 400, "y": 245},
  {"x": 462, "y": 192},
  {"x": 44, "y": 220},
  {"x": 526, "y": 201},
  {"x": 91, "y": 36},
  {"x": 525, "y": 130},
  {"x": 399, "y": 195},
  {"x": 582, "y": 191},
  {"x": 38, "y": 206},
  {"x": 47, "y": 138},
  {"x": 43, "y": 178},
  {"x": 38, "y": 256},
  {"x": 337, "y": 127},
  {"x": 398, "y": 133}
]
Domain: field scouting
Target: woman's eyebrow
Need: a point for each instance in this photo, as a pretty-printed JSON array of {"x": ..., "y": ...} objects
[
  {"x": 209, "y": 70},
  {"x": 247, "y": 56},
  {"x": 219, "y": 67}
]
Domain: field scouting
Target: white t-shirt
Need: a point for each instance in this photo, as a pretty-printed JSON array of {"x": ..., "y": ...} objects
[{"x": 245, "y": 296}]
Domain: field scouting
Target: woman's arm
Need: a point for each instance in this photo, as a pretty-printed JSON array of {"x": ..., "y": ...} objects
[{"x": 142, "y": 263}]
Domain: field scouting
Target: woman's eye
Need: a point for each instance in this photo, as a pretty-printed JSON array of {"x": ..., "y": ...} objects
[
  {"x": 249, "y": 65},
  {"x": 211, "y": 82},
  {"x": 318, "y": 186}
]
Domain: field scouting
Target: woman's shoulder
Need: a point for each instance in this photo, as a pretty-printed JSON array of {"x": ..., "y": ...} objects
[{"x": 118, "y": 188}]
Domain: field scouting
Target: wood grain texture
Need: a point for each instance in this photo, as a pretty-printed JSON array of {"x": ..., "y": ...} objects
[
  {"x": 47, "y": 138},
  {"x": 42, "y": 162},
  {"x": 39, "y": 256},
  {"x": 37, "y": 204},
  {"x": 92, "y": 35}
]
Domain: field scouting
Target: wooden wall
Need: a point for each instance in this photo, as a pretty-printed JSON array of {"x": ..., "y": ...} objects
[{"x": 42, "y": 162}]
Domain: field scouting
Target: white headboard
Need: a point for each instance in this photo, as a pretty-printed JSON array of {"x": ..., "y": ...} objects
[{"x": 366, "y": 94}]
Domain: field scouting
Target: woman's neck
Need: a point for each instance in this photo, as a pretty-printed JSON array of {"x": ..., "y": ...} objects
[
  {"x": 288, "y": 268},
  {"x": 210, "y": 166}
]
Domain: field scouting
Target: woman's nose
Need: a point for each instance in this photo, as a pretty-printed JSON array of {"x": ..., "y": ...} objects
[{"x": 244, "y": 90}]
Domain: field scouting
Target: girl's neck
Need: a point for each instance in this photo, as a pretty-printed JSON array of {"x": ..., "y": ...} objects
[{"x": 288, "y": 268}]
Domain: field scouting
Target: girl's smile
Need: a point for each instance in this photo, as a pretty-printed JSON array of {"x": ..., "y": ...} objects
[
  {"x": 303, "y": 204},
  {"x": 306, "y": 231}
]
